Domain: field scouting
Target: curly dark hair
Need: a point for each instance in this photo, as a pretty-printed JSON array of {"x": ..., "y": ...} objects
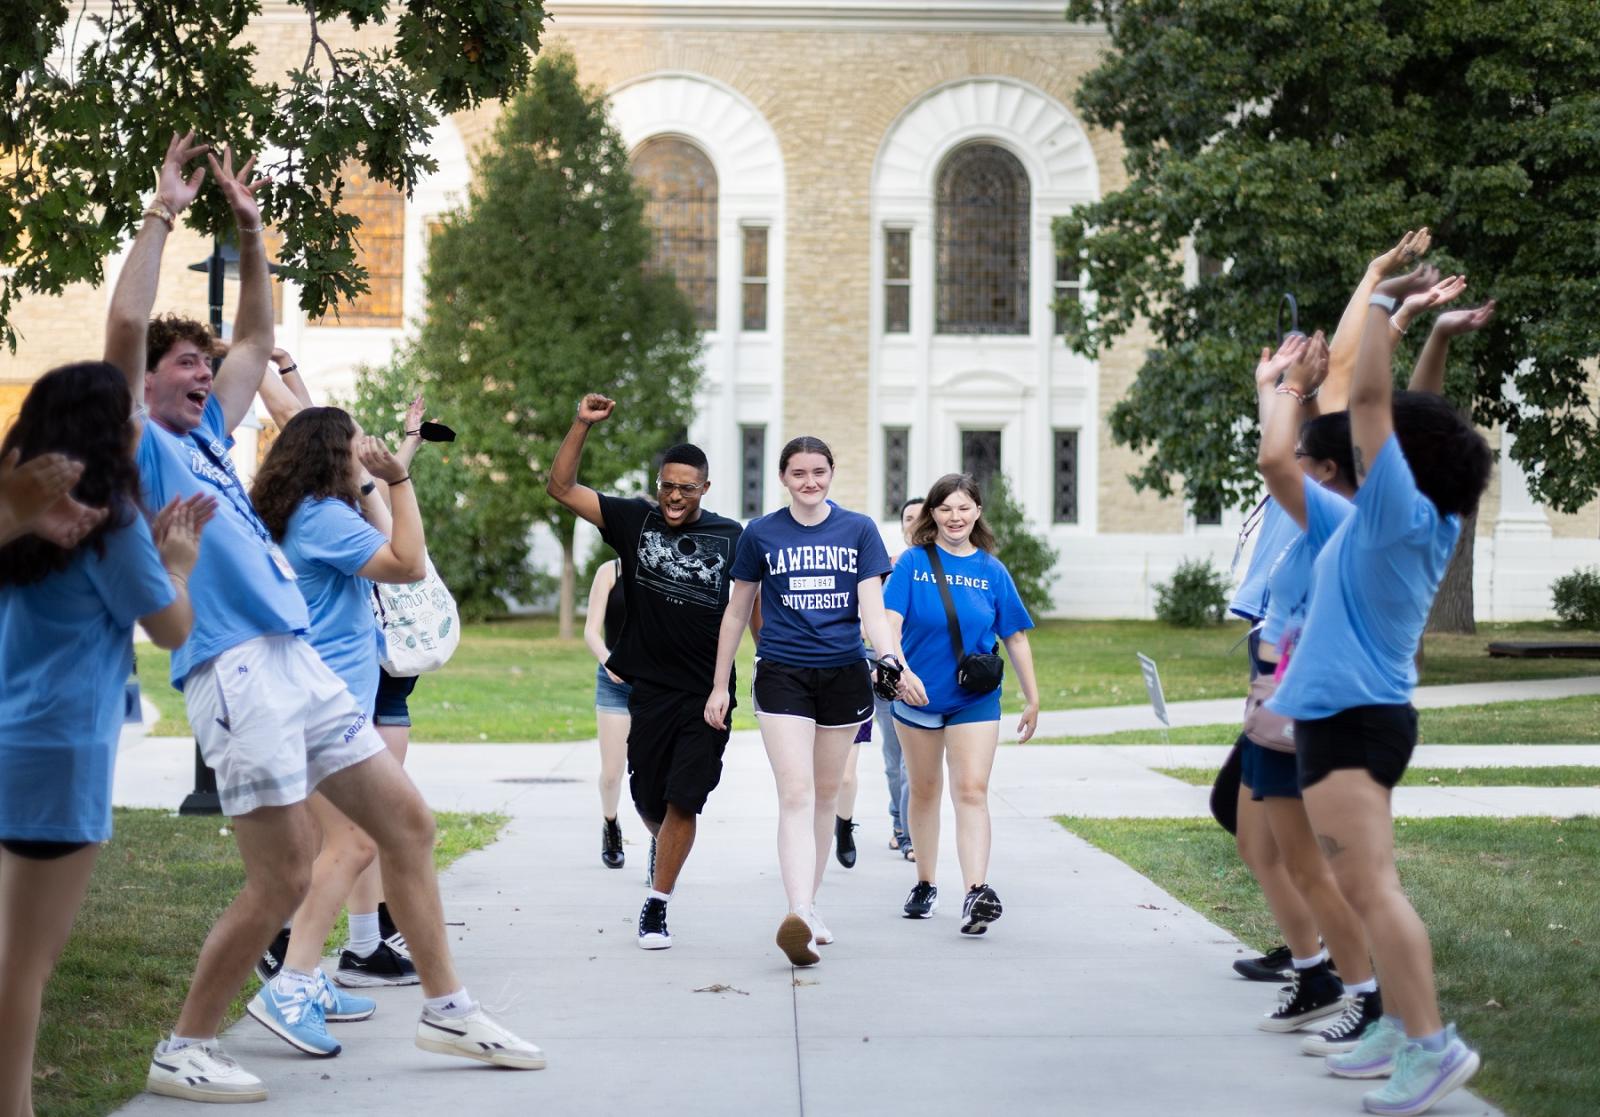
[
  {"x": 169, "y": 329},
  {"x": 80, "y": 410},
  {"x": 309, "y": 458},
  {"x": 924, "y": 530},
  {"x": 1450, "y": 461}
]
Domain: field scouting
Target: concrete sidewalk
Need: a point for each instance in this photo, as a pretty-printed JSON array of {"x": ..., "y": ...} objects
[
  {"x": 1097, "y": 993},
  {"x": 1115, "y": 719}
]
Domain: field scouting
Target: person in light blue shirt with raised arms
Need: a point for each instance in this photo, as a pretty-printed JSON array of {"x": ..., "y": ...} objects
[
  {"x": 66, "y": 648},
  {"x": 959, "y": 724},
  {"x": 1420, "y": 468},
  {"x": 818, "y": 568}
]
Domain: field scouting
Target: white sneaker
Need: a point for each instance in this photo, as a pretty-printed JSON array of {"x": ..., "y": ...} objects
[
  {"x": 201, "y": 1072},
  {"x": 476, "y": 1036},
  {"x": 819, "y": 929}
]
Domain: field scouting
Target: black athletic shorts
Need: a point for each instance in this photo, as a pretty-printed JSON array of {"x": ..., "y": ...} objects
[
  {"x": 833, "y": 697},
  {"x": 1379, "y": 739},
  {"x": 41, "y": 851},
  {"x": 673, "y": 755}
]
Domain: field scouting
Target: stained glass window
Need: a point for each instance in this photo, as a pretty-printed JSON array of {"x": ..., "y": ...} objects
[
  {"x": 982, "y": 255},
  {"x": 897, "y": 282},
  {"x": 681, "y": 208}
]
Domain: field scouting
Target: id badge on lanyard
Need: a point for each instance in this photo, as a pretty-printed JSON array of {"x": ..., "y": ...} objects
[{"x": 234, "y": 491}]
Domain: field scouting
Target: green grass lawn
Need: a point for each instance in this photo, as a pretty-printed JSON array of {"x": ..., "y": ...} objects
[
  {"x": 1558, "y": 721},
  {"x": 1555, "y": 775},
  {"x": 514, "y": 680},
  {"x": 1510, "y": 906},
  {"x": 157, "y": 888}
]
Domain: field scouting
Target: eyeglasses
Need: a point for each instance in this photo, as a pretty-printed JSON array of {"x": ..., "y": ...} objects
[{"x": 667, "y": 488}]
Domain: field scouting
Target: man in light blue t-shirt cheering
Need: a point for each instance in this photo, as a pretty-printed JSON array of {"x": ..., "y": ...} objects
[{"x": 269, "y": 716}]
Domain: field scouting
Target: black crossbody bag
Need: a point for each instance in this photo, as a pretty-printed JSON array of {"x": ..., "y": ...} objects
[{"x": 976, "y": 672}]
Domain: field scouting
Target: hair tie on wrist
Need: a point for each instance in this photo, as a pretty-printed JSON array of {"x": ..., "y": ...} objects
[
  {"x": 402, "y": 481},
  {"x": 414, "y": 434},
  {"x": 287, "y": 369}
]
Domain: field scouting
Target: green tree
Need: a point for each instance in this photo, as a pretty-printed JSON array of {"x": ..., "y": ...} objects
[
  {"x": 537, "y": 292},
  {"x": 1027, "y": 555},
  {"x": 1294, "y": 140},
  {"x": 94, "y": 94}
]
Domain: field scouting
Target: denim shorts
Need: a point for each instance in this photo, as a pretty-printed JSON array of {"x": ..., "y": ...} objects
[
  {"x": 986, "y": 708},
  {"x": 610, "y": 697}
]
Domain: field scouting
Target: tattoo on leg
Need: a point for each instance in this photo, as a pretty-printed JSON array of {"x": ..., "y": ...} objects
[
  {"x": 1361, "y": 465},
  {"x": 1330, "y": 845}
]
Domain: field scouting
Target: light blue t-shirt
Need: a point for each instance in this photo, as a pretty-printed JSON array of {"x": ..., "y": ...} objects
[
  {"x": 327, "y": 541},
  {"x": 1277, "y": 528},
  {"x": 987, "y": 607},
  {"x": 66, "y": 649},
  {"x": 238, "y": 590},
  {"x": 1372, "y": 586},
  {"x": 1289, "y": 580},
  {"x": 810, "y": 607}
]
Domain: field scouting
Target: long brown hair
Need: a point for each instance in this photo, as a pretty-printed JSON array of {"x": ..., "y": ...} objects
[
  {"x": 925, "y": 531},
  {"x": 309, "y": 458}
]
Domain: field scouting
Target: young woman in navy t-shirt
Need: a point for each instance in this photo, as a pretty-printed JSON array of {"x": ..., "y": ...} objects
[
  {"x": 818, "y": 569},
  {"x": 955, "y": 726}
]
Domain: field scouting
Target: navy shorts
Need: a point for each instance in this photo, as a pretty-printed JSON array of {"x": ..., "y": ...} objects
[
  {"x": 391, "y": 706},
  {"x": 610, "y": 697},
  {"x": 1268, "y": 773}
]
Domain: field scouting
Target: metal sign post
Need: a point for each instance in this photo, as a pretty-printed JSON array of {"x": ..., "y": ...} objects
[{"x": 1158, "y": 701}]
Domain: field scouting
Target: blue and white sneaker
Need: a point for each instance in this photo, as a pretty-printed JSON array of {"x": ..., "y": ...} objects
[
  {"x": 1422, "y": 1077},
  {"x": 339, "y": 1007},
  {"x": 295, "y": 1017},
  {"x": 1374, "y": 1056}
]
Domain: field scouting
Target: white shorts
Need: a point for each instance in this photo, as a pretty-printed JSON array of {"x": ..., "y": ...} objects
[{"x": 273, "y": 722}]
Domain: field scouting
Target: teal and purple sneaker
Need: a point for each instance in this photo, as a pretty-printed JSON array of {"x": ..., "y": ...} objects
[
  {"x": 1422, "y": 1077},
  {"x": 1374, "y": 1056}
]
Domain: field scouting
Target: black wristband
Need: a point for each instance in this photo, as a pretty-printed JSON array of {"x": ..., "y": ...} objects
[
  {"x": 402, "y": 481},
  {"x": 288, "y": 370}
]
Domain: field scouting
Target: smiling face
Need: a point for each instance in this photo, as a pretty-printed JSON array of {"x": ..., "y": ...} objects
[
  {"x": 955, "y": 516},
  {"x": 679, "y": 488},
  {"x": 177, "y": 386},
  {"x": 808, "y": 477}
]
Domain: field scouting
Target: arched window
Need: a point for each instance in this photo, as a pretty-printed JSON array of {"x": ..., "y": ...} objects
[
  {"x": 380, "y": 248},
  {"x": 681, "y": 189},
  {"x": 982, "y": 256}
]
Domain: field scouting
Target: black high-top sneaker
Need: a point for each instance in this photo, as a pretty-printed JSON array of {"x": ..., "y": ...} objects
[
  {"x": 1361, "y": 1012},
  {"x": 1314, "y": 995},
  {"x": 653, "y": 933},
  {"x": 844, "y": 836},
  {"x": 611, "y": 844}
]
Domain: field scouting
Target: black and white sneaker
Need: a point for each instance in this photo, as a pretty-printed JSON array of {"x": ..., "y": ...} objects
[
  {"x": 384, "y": 966},
  {"x": 653, "y": 933},
  {"x": 1361, "y": 1012},
  {"x": 1274, "y": 965},
  {"x": 922, "y": 902},
  {"x": 389, "y": 933},
  {"x": 1314, "y": 995},
  {"x": 979, "y": 909},
  {"x": 611, "y": 855},
  {"x": 271, "y": 960}
]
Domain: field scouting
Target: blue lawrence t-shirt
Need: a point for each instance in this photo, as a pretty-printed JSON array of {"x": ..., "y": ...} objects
[
  {"x": 810, "y": 615},
  {"x": 237, "y": 589},
  {"x": 1277, "y": 528},
  {"x": 987, "y": 607},
  {"x": 327, "y": 541},
  {"x": 66, "y": 649},
  {"x": 1372, "y": 586},
  {"x": 1289, "y": 581}
]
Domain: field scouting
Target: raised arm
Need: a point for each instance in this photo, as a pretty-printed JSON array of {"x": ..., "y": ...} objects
[
  {"x": 283, "y": 403},
  {"x": 239, "y": 378},
  {"x": 1428, "y": 376},
  {"x": 134, "y": 296},
  {"x": 563, "y": 484},
  {"x": 404, "y": 557},
  {"x": 741, "y": 600},
  {"x": 290, "y": 375},
  {"x": 1282, "y": 413},
  {"x": 1372, "y": 385},
  {"x": 1335, "y": 393}
]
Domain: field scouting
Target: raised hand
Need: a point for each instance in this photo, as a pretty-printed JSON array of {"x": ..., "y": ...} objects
[
  {"x": 413, "y": 421},
  {"x": 176, "y": 532},
  {"x": 1310, "y": 367},
  {"x": 172, "y": 189},
  {"x": 595, "y": 408},
  {"x": 1411, "y": 246},
  {"x": 1454, "y": 323},
  {"x": 379, "y": 462},
  {"x": 239, "y": 188},
  {"x": 1401, "y": 287},
  {"x": 1272, "y": 366},
  {"x": 1440, "y": 293}
]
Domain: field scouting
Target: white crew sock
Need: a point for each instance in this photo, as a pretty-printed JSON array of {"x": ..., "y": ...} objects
[
  {"x": 1316, "y": 959},
  {"x": 1368, "y": 986},
  {"x": 287, "y": 981},
  {"x": 652, "y": 894},
  {"x": 457, "y": 1004},
  {"x": 175, "y": 1042},
  {"x": 364, "y": 937}
]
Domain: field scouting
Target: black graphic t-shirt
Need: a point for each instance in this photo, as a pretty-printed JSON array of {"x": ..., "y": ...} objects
[{"x": 676, "y": 584}]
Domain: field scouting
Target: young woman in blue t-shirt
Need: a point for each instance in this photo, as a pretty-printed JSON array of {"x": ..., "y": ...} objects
[
  {"x": 955, "y": 726},
  {"x": 66, "y": 649},
  {"x": 818, "y": 568}
]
